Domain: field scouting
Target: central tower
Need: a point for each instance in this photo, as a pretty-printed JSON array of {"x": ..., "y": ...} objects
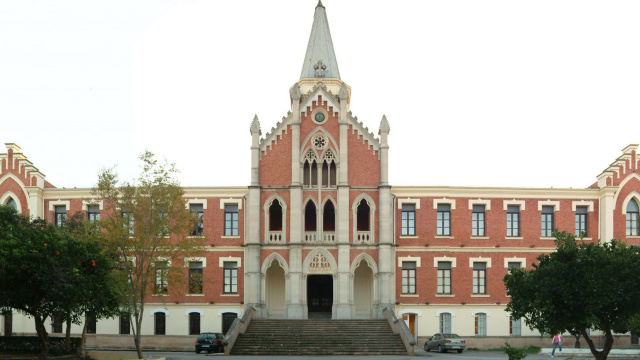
[{"x": 319, "y": 220}]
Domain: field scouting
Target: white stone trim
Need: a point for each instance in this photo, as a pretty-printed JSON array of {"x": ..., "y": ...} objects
[
  {"x": 452, "y": 260},
  {"x": 486, "y": 203},
  {"x": 222, "y": 260},
  {"x": 480, "y": 311},
  {"x": 588, "y": 204},
  {"x": 445, "y": 311},
  {"x": 87, "y": 203},
  {"x": 203, "y": 260},
  {"x": 409, "y": 259},
  {"x": 555, "y": 204},
  {"x": 409, "y": 311},
  {"x": 159, "y": 310},
  {"x": 266, "y": 264},
  {"x": 53, "y": 204},
  {"x": 160, "y": 259},
  {"x": 224, "y": 202},
  {"x": 522, "y": 261},
  {"x": 196, "y": 201},
  {"x": 632, "y": 195},
  {"x": 220, "y": 312},
  {"x": 5, "y": 198},
  {"x": 480, "y": 259},
  {"x": 194, "y": 310},
  {"x": 506, "y": 203},
  {"x": 623, "y": 183},
  {"x": 437, "y": 202},
  {"x": 415, "y": 202}
]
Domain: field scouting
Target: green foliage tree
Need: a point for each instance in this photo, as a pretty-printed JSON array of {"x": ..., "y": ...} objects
[
  {"x": 147, "y": 224},
  {"x": 46, "y": 271},
  {"x": 580, "y": 286}
]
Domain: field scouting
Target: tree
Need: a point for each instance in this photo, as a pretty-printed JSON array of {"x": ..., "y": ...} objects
[
  {"x": 147, "y": 224},
  {"x": 580, "y": 286},
  {"x": 45, "y": 271}
]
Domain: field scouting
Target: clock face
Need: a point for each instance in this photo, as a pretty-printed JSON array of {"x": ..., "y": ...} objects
[{"x": 319, "y": 117}]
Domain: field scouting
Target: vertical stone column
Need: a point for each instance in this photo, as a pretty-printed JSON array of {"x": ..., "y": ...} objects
[
  {"x": 386, "y": 253},
  {"x": 294, "y": 307},
  {"x": 252, "y": 279},
  {"x": 607, "y": 207}
]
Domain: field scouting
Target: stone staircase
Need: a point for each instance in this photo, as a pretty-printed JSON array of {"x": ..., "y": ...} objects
[{"x": 319, "y": 337}]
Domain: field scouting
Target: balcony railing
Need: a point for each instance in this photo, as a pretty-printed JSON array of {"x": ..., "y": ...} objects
[
  {"x": 329, "y": 236},
  {"x": 310, "y": 236},
  {"x": 275, "y": 237},
  {"x": 363, "y": 237}
]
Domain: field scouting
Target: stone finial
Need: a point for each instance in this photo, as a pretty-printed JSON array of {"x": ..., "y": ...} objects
[
  {"x": 295, "y": 92},
  {"x": 384, "y": 125},
  {"x": 319, "y": 3},
  {"x": 344, "y": 93},
  {"x": 255, "y": 126},
  {"x": 320, "y": 69}
]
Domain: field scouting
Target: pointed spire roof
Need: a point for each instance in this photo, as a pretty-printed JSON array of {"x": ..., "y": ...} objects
[{"x": 320, "y": 59}]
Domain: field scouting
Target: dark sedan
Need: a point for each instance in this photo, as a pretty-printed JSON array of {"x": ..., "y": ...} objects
[
  {"x": 445, "y": 342},
  {"x": 210, "y": 342}
]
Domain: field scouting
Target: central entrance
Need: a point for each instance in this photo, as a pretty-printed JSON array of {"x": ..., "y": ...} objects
[{"x": 320, "y": 295}]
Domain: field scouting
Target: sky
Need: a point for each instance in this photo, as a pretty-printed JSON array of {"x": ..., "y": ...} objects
[{"x": 477, "y": 93}]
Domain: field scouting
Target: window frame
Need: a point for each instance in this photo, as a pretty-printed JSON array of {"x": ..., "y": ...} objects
[
  {"x": 513, "y": 221},
  {"x": 582, "y": 221},
  {"x": 197, "y": 211},
  {"x": 161, "y": 283},
  {"x": 409, "y": 280},
  {"x": 444, "y": 281},
  {"x": 231, "y": 220},
  {"x": 60, "y": 215},
  {"x": 443, "y": 220},
  {"x": 230, "y": 276},
  {"x": 195, "y": 323},
  {"x": 480, "y": 324},
  {"x": 194, "y": 271},
  {"x": 408, "y": 220},
  {"x": 632, "y": 219},
  {"x": 547, "y": 220},
  {"x": 479, "y": 277},
  {"x": 478, "y": 223}
]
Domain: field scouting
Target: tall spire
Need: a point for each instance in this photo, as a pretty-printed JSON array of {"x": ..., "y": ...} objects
[{"x": 320, "y": 59}]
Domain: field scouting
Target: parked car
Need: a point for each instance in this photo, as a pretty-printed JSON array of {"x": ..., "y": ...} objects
[
  {"x": 210, "y": 342},
  {"x": 444, "y": 342}
]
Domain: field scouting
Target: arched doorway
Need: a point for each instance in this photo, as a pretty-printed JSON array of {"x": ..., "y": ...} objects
[
  {"x": 363, "y": 291},
  {"x": 319, "y": 296},
  {"x": 275, "y": 291}
]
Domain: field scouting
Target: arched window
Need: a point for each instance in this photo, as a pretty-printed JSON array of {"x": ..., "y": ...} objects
[
  {"x": 325, "y": 174},
  {"x": 12, "y": 203},
  {"x": 275, "y": 216},
  {"x": 632, "y": 218},
  {"x": 332, "y": 174},
  {"x": 329, "y": 217},
  {"x": 363, "y": 216},
  {"x": 310, "y": 216},
  {"x": 307, "y": 174},
  {"x": 314, "y": 173}
]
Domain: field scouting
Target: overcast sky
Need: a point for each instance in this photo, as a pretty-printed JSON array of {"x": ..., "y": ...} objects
[{"x": 477, "y": 93}]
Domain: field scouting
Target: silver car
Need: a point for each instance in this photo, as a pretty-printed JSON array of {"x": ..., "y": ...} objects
[{"x": 444, "y": 342}]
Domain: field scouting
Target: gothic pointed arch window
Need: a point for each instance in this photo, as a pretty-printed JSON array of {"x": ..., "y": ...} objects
[
  {"x": 363, "y": 223},
  {"x": 12, "y": 203},
  {"x": 275, "y": 216},
  {"x": 633, "y": 218},
  {"x": 329, "y": 169},
  {"x": 310, "y": 170},
  {"x": 363, "y": 210},
  {"x": 329, "y": 217},
  {"x": 310, "y": 218},
  {"x": 275, "y": 220}
]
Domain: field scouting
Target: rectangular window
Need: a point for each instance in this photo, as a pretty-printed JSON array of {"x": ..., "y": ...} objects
[
  {"x": 444, "y": 220},
  {"x": 162, "y": 281},
  {"x": 481, "y": 324},
  {"x": 581, "y": 221},
  {"x": 195, "y": 277},
  {"x": 197, "y": 212},
  {"x": 194, "y": 323},
  {"x": 444, "y": 277},
  {"x": 128, "y": 222},
  {"x": 479, "y": 278},
  {"x": 125, "y": 323},
  {"x": 60, "y": 215},
  {"x": 445, "y": 323},
  {"x": 513, "y": 265},
  {"x": 408, "y": 277},
  {"x": 230, "y": 277},
  {"x": 633, "y": 224},
  {"x": 231, "y": 220},
  {"x": 91, "y": 323},
  {"x": 514, "y": 326},
  {"x": 408, "y": 219},
  {"x": 93, "y": 213},
  {"x": 546, "y": 227},
  {"x": 513, "y": 220},
  {"x": 160, "y": 323},
  {"x": 477, "y": 221},
  {"x": 56, "y": 326}
]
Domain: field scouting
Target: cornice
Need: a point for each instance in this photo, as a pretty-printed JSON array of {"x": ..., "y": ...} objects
[
  {"x": 189, "y": 192},
  {"x": 490, "y": 192},
  {"x": 469, "y": 249}
]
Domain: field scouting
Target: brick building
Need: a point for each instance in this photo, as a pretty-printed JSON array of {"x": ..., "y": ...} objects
[{"x": 320, "y": 232}]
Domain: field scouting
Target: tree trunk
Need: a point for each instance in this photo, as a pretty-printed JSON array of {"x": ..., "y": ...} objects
[
  {"x": 83, "y": 338},
  {"x": 577, "y": 341},
  {"x": 608, "y": 344},
  {"x": 43, "y": 335},
  {"x": 67, "y": 337}
]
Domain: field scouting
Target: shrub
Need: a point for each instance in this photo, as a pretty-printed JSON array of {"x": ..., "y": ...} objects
[{"x": 515, "y": 353}]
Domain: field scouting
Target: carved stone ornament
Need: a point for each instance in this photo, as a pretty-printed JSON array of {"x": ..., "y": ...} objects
[
  {"x": 320, "y": 69},
  {"x": 311, "y": 156},
  {"x": 344, "y": 93},
  {"x": 328, "y": 156},
  {"x": 320, "y": 142},
  {"x": 319, "y": 265},
  {"x": 295, "y": 92}
]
